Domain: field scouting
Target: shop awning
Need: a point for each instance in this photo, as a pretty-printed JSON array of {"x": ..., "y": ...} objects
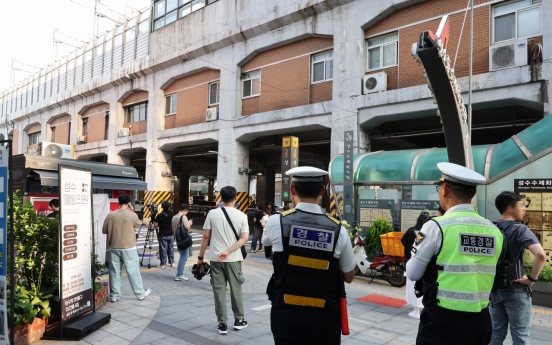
[
  {"x": 421, "y": 165},
  {"x": 50, "y": 178}
]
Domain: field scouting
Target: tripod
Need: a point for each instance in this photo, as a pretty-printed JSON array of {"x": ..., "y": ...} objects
[{"x": 149, "y": 241}]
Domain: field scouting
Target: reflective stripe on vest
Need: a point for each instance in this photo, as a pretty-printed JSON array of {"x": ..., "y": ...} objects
[{"x": 470, "y": 249}]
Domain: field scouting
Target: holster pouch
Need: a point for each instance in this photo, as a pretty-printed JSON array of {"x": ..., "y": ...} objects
[{"x": 270, "y": 287}]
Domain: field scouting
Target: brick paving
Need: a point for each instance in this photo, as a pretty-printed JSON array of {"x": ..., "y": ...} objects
[{"x": 183, "y": 313}]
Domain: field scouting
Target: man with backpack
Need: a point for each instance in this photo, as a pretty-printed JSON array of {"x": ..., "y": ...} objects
[
  {"x": 511, "y": 300},
  {"x": 181, "y": 227}
]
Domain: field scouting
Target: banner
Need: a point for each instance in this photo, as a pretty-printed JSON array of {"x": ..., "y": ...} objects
[
  {"x": 290, "y": 159},
  {"x": 348, "y": 178},
  {"x": 3, "y": 254},
  {"x": 370, "y": 210},
  {"x": 75, "y": 188}
]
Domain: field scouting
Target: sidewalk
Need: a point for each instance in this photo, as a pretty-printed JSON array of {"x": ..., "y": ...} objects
[{"x": 183, "y": 313}]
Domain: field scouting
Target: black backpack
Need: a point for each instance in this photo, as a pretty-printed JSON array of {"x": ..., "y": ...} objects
[
  {"x": 183, "y": 238},
  {"x": 503, "y": 267}
]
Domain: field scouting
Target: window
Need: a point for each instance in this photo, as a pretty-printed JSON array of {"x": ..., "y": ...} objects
[
  {"x": 382, "y": 51},
  {"x": 251, "y": 84},
  {"x": 85, "y": 126},
  {"x": 168, "y": 11},
  {"x": 136, "y": 113},
  {"x": 322, "y": 67},
  {"x": 214, "y": 93},
  {"x": 170, "y": 104},
  {"x": 34, "y": 138},
  {"x": 516, "y": 19},
  {"x": 53, "y": 133}
]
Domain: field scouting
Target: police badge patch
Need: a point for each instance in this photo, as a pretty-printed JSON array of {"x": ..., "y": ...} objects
[{"x": 419, "y": 238}]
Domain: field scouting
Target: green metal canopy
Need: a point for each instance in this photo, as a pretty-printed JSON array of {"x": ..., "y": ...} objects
[{"x": 421, "y": 165}]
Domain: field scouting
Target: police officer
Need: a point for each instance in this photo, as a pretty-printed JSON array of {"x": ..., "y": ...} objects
[
  {"x": 311, "y": 250},
  {"x": 454, "y": 256}
]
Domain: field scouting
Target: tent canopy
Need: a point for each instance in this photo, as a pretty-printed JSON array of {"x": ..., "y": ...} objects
[{"x": 420, "y": 165}]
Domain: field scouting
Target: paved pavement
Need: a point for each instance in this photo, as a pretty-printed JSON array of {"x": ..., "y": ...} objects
[{"x": 183, "y": 313}]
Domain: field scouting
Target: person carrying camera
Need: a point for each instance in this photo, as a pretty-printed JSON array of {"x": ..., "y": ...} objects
[
  {"x": 221, "y": 227},
  {"x": 511, "y": 302},
  {"x": 166, "y": 235}
]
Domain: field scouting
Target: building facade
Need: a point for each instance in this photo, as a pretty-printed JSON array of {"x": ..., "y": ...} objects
[{"x": 209, "y": 87}]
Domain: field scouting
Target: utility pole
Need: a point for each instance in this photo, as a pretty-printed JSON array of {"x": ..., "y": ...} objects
[
  {"x": 67, "y": 40},
  {"x": 102, "y": 11},
  {"x": 21, "y": 67}
]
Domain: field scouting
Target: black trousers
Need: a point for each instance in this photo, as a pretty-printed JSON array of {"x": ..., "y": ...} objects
[
  {"x": 439, "y": 326},
  {"x": 291, "y": 326}
]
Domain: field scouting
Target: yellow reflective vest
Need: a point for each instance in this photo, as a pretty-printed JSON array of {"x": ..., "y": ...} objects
[{"x": 466, "y": 264}]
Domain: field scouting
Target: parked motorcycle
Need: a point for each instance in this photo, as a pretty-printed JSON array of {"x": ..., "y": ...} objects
[{"x": 390, "y": 268}]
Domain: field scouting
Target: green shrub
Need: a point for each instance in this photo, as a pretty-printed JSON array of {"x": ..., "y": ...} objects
[
  {"x": 372, "y": 239},
  {"x": 545, "y": 275}
]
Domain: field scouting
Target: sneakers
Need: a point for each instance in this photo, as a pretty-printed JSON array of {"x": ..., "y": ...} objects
[
  {"x": 414, "y": 315},
  {"x": 161, "y": 266},
  {"x": 222, "y": 328},
  {"x": 240, "y": 324},
  {"x": 179, "y": 278},
  {"x": 146, "y": 294},
  {"x": 252, "y": 251},
  {"x": 113, "y": 300},
  {"x": 172, "y": 265}
]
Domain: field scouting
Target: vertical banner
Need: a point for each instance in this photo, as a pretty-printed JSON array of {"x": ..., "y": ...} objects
[
  {"x": 290, "y": 159},
  {"x": 75, "y": 189},
  {"x": 348, "y": 189},
  {"x": 3, "y": 250}
]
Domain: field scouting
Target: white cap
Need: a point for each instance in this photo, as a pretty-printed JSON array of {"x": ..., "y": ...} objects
[
  {"x": 459, "y": 175},
  {"x": 306, "y": 174}
]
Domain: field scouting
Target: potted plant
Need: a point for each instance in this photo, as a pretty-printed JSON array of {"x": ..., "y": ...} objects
[
  {"x": 372, "y": 238},
  {"x": 101, "y": 290},
  {"x": 542, "y": 290}
]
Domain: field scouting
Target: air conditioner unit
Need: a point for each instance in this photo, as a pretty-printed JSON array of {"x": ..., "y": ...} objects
[
  {"x": 82, "y": 139},
  {"x": 32, "y": 151},
  {"x": 124, "y": 132},
  {"x": 55, "y": 150},
  {"x": 376, "y": 82},
  {"x": 510, "y": 54},
  {"x": 211, "y": 114}
]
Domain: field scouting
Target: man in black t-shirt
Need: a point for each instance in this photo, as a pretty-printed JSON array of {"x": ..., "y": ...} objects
[
  {"x": 166, "y": 235},
  {"x": 513, "y": 304},
  {"x": 258, "y": 230}
]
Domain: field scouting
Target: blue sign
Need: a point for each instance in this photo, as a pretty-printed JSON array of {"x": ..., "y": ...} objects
[{"x": 311, "y": 238}]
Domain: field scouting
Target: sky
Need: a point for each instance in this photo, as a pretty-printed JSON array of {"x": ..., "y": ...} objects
[{"x": 27, "y": 27}]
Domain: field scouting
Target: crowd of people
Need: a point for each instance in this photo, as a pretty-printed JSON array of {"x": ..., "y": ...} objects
[{"x": 461, "y": 267}]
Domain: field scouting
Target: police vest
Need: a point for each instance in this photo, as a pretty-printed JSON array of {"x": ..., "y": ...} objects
[
  {"x": 306, "y": 274},
  {"x": 466, "y": 263}
]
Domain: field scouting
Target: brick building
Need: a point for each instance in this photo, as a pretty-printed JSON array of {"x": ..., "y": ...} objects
[{"x": 207, "y": 87}]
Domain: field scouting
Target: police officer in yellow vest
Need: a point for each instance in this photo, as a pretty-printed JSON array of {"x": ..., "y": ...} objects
[
  {"x": 311, "y": 250},
  {"x": 454, "y": 261}
]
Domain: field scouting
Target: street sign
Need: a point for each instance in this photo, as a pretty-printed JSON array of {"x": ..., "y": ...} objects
[
  {"x": 348, "y": 178},
  {"x": 290, "y": 159}
]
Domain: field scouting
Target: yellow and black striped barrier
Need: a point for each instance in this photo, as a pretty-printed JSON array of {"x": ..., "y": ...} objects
[
  {"x": 333, "y": 206},
  {"x": 242, "y": 198},
  {"x": 155, "y": 197}
]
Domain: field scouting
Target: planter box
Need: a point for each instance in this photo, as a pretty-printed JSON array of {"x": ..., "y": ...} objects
[
  {"x": 101, "y": 296},
  {"x": 542, "y": 294},
  {"x": 26, "y": 334}
]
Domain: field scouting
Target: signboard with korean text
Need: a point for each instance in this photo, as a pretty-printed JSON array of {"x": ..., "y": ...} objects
[
  {"x": 290, "y": 159},
  {"x": 348, "y": 179},
  {"x": 75, "y": 189},
  {"x": 3, "y": 252},
  {"x": 370, "y": 210},
  {"x": 411, "y": 209},
  {"x": 537, "y": 198}
]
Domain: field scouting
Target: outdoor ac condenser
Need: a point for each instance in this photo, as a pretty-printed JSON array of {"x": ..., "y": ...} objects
[
  {"x": 510, "y": 54},
  {"x": 47, "y": 149},
  {"x": 375, "y": 82},
  {"x": 124, "y": 132},
  {"x": 211, "y": 114}
]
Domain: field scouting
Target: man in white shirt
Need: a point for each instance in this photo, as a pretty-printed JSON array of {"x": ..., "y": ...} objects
[
  {"x": 311, "y": 253},
  {"x": 225, "y": 256}
]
